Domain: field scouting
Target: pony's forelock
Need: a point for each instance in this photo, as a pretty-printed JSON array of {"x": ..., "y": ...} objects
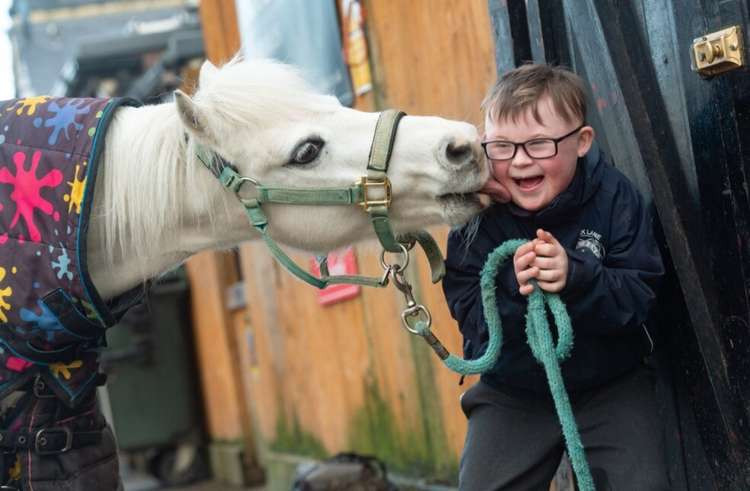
[{"x": 250, "y": 93}]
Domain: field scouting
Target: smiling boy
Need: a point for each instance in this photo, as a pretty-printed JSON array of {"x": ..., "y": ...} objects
[{"x": 590, "y": 240}]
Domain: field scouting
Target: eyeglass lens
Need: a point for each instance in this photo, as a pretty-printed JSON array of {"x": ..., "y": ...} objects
[{"x": 537, "y": 149}]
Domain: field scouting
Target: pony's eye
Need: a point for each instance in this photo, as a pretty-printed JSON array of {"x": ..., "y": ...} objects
[{"x": 306, "y": 152}]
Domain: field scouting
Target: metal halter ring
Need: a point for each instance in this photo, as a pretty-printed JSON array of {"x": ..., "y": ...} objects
[
  {"x": 395, "y": 266},
  {"x": 241, "y": 182}
]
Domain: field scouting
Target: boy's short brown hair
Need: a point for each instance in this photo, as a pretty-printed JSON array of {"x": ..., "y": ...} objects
[{"x": 520, "y": 89}]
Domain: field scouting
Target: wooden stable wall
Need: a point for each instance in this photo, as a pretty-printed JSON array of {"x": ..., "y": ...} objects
[
  {"x": 348, "y": 377},
  {"x": 219, "y": 356}
]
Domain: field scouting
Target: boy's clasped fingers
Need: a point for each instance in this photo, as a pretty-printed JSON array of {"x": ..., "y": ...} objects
[
  {"x": 551, "y": 261},
  {"x": 545, "y": 236},
  {"x": 522, "y": 264},
  {"x": 553, "y": 285},
  {"x": 543, "y": 262},
  {"x": 546, "y": 250},
  {"x": 549, "y": 275},
  {"x": 524, "y": 256},
  {"x": 543, "y": 259},
  {"x": 523, "y": 278}
]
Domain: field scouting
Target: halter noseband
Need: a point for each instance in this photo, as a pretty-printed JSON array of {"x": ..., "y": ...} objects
[{"x": 372, "y": 192}]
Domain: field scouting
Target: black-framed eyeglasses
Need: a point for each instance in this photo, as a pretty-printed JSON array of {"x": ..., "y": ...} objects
[{"x": 537, "y": 148}]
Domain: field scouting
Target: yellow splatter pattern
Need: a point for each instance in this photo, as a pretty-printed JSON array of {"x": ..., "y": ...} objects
[
  {"x": 4, "y": 294},
  {"x": 14, "y": 473},
  {"x": 63, "y": 369},
  {"x": 75, "y": 198},
  {"x": 90, "y": 311},
  {"x": 29, "y": 103}
]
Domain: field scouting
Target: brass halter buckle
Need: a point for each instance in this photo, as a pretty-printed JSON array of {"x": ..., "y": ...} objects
[{"x": 383, "y": 200}]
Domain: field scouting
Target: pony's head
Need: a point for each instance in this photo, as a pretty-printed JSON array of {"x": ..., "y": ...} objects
[{"x": 264, "y": 119}]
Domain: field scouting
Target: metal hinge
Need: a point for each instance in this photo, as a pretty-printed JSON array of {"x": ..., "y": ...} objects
[{"x": 718, "y": 52}]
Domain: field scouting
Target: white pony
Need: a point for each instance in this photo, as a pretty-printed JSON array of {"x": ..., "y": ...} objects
[{"x": 155, "y": 204}]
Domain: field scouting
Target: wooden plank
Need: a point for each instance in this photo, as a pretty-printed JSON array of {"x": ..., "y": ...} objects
[
  {"x": 501, "y": 33},
  {"x": 432, "y": 57},
  {"x": 245, "y": 355},
  {"x": 326, "y": 357},
  {"x": 536, "y": 36},
  {"x": 263, "y": 380},
  {"x": 210, "y": 273},
  {"x": 221, "y": 401},
  {"x": 221, "y": 34},
  {"x": 511, "y": 33}
]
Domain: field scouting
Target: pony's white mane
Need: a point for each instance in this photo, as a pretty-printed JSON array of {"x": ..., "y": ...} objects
[{"x": 158, "y": 169}]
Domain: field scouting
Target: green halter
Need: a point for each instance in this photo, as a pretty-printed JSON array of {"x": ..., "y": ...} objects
[{"x": 372, "y": 192}]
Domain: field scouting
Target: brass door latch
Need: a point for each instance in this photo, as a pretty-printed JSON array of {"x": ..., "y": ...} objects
[{"x": 718, "y": 52}]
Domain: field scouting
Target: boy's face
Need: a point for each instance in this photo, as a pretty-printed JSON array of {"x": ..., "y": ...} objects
[{"x": 533, "y": 183}]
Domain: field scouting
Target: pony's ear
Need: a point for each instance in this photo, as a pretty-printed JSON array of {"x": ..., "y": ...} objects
[
  {"x": 192, "y": 116},
  {"x": 208, "y": 70}
]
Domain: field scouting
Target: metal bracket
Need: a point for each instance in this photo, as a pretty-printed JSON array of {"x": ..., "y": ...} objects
[{"x": 718, "y": 52}]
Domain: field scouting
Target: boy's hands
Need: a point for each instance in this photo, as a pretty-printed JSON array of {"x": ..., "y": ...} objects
[{"x": 543, "y": 259}]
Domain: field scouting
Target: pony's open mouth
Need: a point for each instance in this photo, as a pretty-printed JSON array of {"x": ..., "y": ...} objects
[{"x": 458, "y": 208}]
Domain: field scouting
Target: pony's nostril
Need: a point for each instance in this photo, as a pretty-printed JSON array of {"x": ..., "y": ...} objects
[{"x": 459, "y": 152}]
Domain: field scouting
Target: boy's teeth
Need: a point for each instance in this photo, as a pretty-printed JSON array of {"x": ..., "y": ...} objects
[{"x": 529, "y": 182}]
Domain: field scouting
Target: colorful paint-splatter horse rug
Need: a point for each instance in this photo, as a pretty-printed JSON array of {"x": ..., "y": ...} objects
[{"x": 52, "y": 320}]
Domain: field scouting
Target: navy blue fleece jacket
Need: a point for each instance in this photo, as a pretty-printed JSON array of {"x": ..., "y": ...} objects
[{"x": 614, "y": 265}]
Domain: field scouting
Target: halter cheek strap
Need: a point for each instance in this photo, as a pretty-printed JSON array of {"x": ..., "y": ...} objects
[
  {"x": 372, "y": 192},
  {"x": 377, "y": 168}
]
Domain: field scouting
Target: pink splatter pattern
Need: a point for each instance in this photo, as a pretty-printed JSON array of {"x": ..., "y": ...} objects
[
  {"x": 27, "y": 190},
  {"x": 16, "y": 364}
]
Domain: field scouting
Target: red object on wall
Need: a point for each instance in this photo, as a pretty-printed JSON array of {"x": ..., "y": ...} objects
[{"x": 340, "y": 262}]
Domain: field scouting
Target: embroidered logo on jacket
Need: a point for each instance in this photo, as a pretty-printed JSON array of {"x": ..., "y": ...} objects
[{"x": 591, "y": 241}]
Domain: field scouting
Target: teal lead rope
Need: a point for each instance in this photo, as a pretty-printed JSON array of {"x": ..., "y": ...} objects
[{"x": 542, "y": 347}]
